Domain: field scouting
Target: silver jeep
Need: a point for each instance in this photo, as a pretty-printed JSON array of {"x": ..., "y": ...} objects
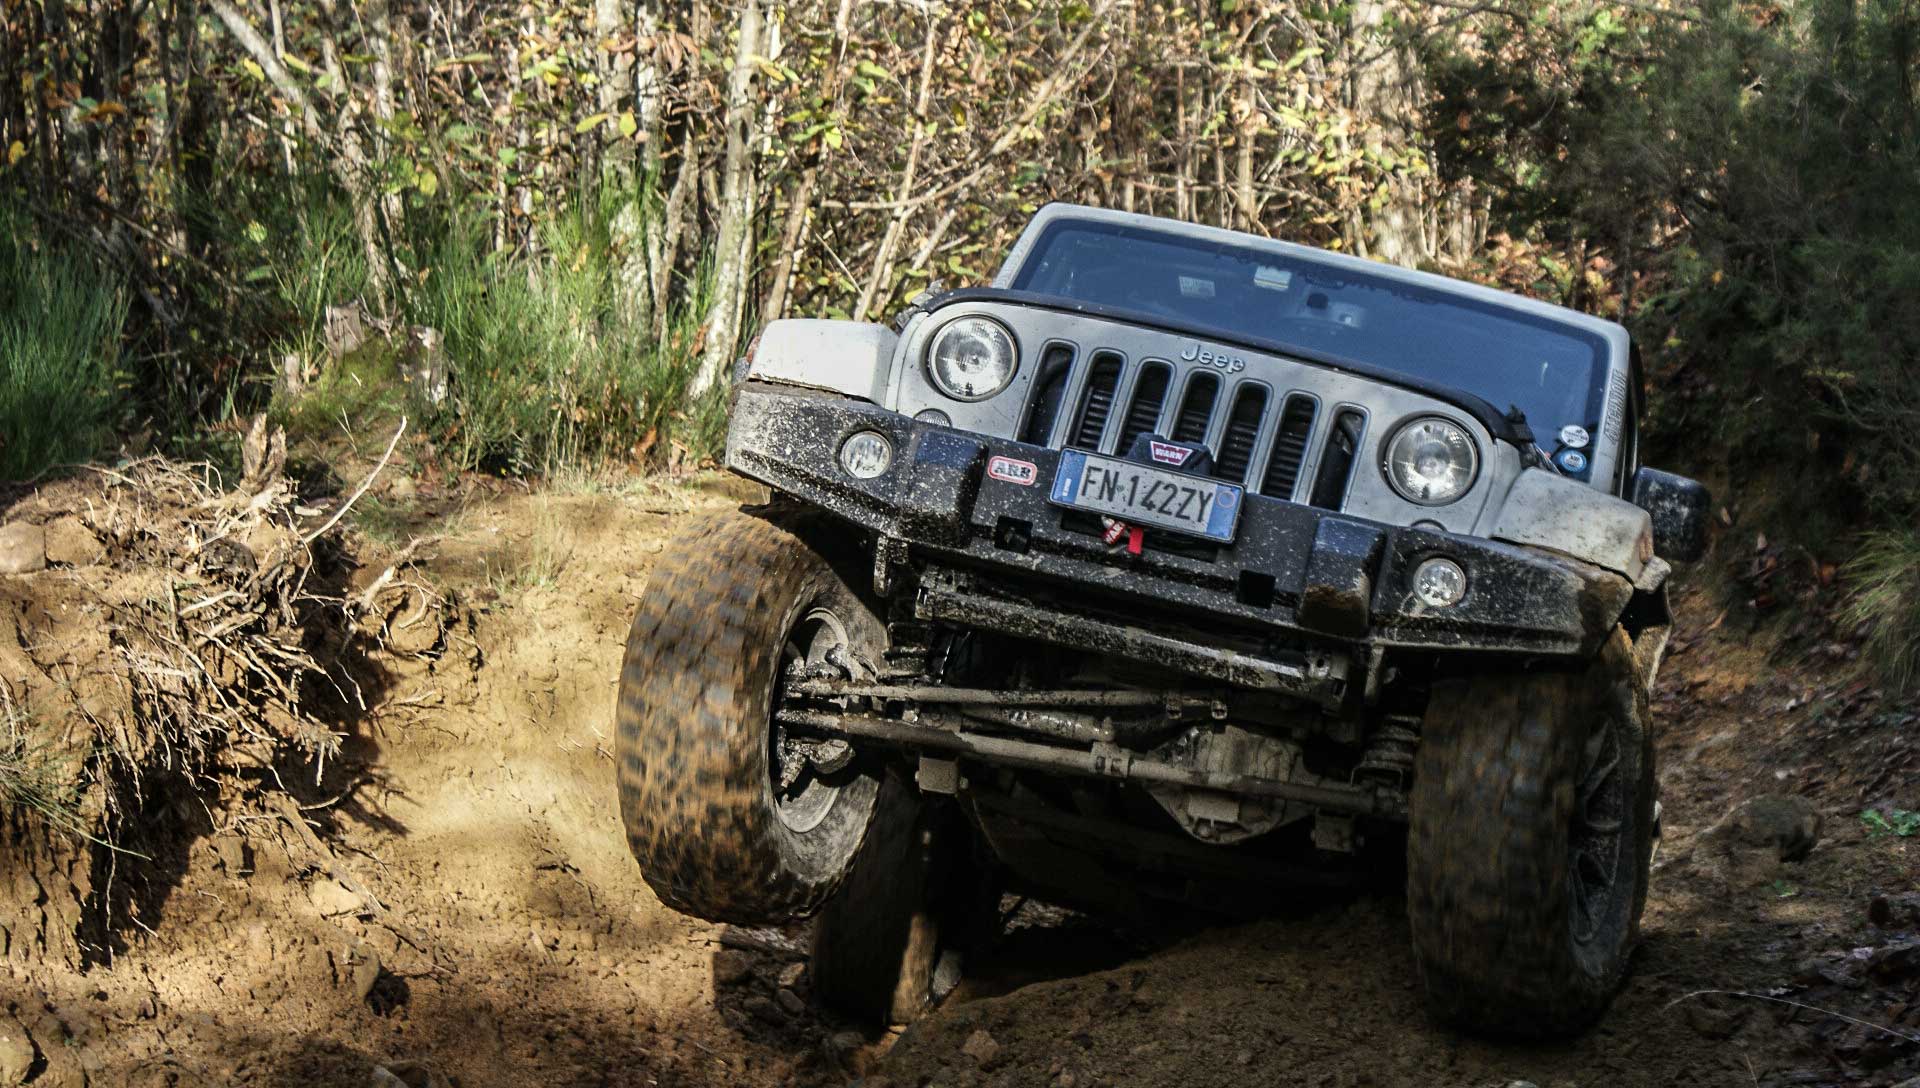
[{"x": 1178, "y": 568}]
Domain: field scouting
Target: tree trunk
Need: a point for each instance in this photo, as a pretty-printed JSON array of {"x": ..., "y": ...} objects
[
  {"x": 1386, "y": 95},
  {"x": 350, "y": 166},
  {"x": 634, "y": 300},
  {"x": 616, "y": 85},
  {"x": 735, "y": 207},
  {"x": 663, "y": 245},
  {"x": 799, "y": 206},
  {"x": 883, "y": 260}
]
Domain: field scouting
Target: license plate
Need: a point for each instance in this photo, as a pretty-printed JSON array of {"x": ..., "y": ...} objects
[{"x": 1144, "y": 495}]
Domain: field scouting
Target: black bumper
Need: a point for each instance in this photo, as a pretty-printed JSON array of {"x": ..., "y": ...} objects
[{"x": 1291, "y": 570}]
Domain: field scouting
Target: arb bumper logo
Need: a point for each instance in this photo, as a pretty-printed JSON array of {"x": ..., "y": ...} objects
[{"x": 1024, "y": 473}]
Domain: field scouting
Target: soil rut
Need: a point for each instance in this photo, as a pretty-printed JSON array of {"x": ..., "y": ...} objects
[{"x": 520, "y": 946}]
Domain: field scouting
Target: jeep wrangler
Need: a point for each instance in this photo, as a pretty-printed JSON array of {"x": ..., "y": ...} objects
[{"x": 1179, "y": 566}]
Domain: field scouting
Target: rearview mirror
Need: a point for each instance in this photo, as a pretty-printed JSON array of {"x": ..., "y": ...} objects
[{"x": 1679, "y": 508}]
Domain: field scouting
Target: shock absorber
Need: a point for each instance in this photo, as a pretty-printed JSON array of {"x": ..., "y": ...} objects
[{"x": 1388, "y": 757}]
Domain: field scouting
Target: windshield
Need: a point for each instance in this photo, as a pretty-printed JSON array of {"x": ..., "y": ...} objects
[{"x": 1551, "y": 371}]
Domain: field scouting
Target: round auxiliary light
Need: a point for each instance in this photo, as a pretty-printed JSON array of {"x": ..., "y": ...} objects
[
  {"x": 1431, "y": 461},
  {"x": 1439, "y": 582},
  {"x": 866, "y": 454},
  {"x": 972, "y": 358},
  {"x": 933, "y": 417}
]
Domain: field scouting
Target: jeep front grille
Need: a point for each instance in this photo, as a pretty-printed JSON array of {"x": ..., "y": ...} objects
[
  {"x": 1259, "y": 438},
  {"x": 1289, "y": 447},
  {"x": 1196, "y": 409},
  {"x": 1050, "y": 388},
  {"x": 1143, "y": 411},
  {"x": 1096, "y": 404},
  {"x": 1243, "y": 430}
]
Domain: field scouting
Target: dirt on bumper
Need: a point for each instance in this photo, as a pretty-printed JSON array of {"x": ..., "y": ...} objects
[{"x": 1291, "y": 569}]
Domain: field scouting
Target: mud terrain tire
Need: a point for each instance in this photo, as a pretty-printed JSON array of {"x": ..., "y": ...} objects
[
  {"x": 722, "y": 613},
  {"x": 917, "y": 903},
  {"x": 1511, "y": 809}
]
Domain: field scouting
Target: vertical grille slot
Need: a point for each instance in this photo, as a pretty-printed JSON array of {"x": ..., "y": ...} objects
[
  {"x": 1243, "y": 426},
  {"x": 1096, "y": 403},
  {"x": 1289, "y": 447},
  {"x": 1050, "y": 388},
  {"x": 1196, "y": 409},
  {"x": 1336, "y": 463},
  {"x": 1143, "y": 412}
]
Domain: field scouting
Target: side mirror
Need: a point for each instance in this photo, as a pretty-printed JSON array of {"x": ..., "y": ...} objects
[{"x": 1679, "y": 508}]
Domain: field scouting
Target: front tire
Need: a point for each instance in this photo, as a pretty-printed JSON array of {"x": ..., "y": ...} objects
[
  {"x": 730, "y": 819},
  {"x": 1532, "y": 831},
  {"x": 918, "y": 903}
]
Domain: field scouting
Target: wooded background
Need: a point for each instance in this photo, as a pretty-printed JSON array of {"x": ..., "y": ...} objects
[{"x": 588, "y": 206}]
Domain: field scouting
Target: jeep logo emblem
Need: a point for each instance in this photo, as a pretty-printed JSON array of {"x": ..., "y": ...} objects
[{"x": 1206, "y": 356}]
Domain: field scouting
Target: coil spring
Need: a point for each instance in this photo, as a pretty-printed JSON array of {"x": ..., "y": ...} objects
[{"x": 1389, "y": 751}]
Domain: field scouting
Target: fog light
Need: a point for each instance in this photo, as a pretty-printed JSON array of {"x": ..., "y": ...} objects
[
  {"x": 1439, "y": 583},
  {"x": 866, "y": 454}
]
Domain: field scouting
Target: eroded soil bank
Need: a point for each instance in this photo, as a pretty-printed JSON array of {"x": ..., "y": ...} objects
[{"x": 510, "y": 941}]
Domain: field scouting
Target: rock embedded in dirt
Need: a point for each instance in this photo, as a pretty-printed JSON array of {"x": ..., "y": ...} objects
[
  {"x": 366, "y": 969},
  {"x": 791, "y": 974},
  {"x": 1715, "y": 1017},
  {"x": 71, "y": 544},
  {"x": 23, "y": 548},
  {"x": 406, "y": 1074},
  {"x": 843, "y": 1047},
  {"x": 16, "y": 1052},
  {"x": 231, "y": 852},
  {"x": 1895, "y": 962},
  {"x": 731, "y": 967},
  {"x": 1786, "y": 823},
  {"x": 789, "y": 1001},
  {"x": 764, "y": 1010},
  {"x": 982, "y": 1047},
  {"x": 331, "y": 898}
]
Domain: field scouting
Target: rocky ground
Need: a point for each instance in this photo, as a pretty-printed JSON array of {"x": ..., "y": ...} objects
[{"x": 447, "y": 900}]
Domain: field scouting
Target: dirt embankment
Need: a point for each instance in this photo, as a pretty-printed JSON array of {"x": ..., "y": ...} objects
[{"x": 460, "y": 907}]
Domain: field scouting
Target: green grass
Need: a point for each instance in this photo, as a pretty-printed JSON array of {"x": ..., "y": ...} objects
[
  {"x": 539, "y": 565},
  {"x": 60, "y": 329},
  {"x": 547, "y": 370},
  {"x": 1885, "y": 602}
]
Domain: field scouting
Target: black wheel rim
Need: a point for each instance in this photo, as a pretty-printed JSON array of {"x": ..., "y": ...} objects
[
  {"x": 802, "y": 793},
  {"x": 1597, "y": 844}
]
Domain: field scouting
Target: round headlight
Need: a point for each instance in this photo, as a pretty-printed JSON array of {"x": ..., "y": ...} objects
[
  {"x": 972, "y": 358},
  {"x": 866, "y": 454},
  {"x": 1431, "y": 461},
  {"x": 1439, "y": 582}
]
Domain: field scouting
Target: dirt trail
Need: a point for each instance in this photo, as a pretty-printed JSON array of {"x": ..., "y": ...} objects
[{"x": 522, "y": 948}]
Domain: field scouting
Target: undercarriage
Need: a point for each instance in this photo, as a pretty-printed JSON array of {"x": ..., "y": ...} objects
[{"x": 1101, "y": 779}]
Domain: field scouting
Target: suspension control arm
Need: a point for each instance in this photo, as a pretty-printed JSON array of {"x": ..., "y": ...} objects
[{"x": 1102, "y": 761}]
